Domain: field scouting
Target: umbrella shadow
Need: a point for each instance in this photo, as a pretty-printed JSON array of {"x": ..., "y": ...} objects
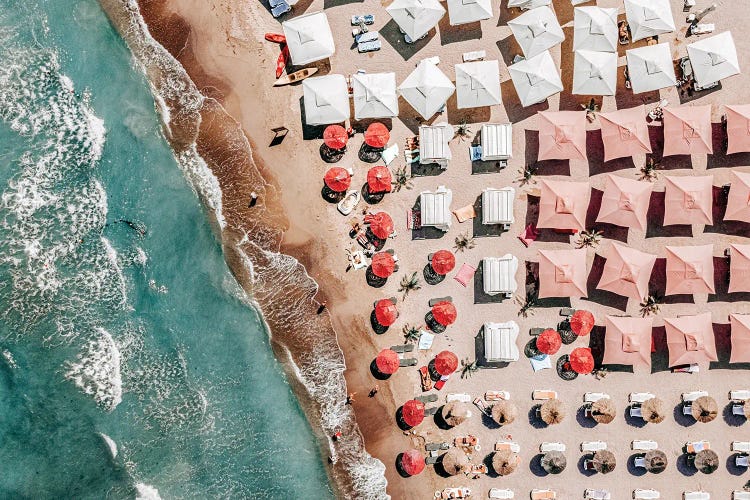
[
  {"x": 602, "y": 297},
  {"x": 430, "y": 276},
  {"x": 535, "y": 465},
  {"x": 377, "y": 327},
  {"x": 720, "y": 158},
  {"x": 391, "y": 33},
  {"x": 632, "y": 469},
  {"x": 374, "y": 281},
  {"x": 534, "y": 419},
  {"x": 488, "y": 422},
  {"x": 440, "y": 469},
  {"x": 440, "y": 421},
  {"x": 611, "y": 231},
  {"x": 569, "y": 101},
  {"x": 595, "y": 154},
  {"x": 376, "y": 373},
  {"x": 583, "y": 420},
  {"x": 719, "y": 209},
  {"x": 582, "y": 468},
  {"x": 476, "y": 115},
  {"x": 722, "y": 339},
  {"x": 659, "y": 358},
  {"x": 732, "y": 466},
  {"x": 399, "y": 469},
  {"x": 685, "y": 465},
  {"x": 461, "y": 33},
  {"x": 426, "y": 169},
  {"x": 681, "y": 418},
  {"x": 481, "y": 230},
  {"x": 544, "y": 167},
  {"x": 688, "y": 94},
  {"x": 400, "y": 420},
  {"x": 636, "y": 422},
  {"x": 487, "y": 461},
  {"x": 659, "y": 279},
  {"x": 331, "y": 196},
  {"x": 672, "y": 162},
  {"x": 730, "y": 418},
  {"x": 532, "y": 216},
  {"x": 655, "y": 215}
]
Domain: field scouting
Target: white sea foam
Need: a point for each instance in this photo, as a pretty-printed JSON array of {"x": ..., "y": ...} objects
[
  {"x": 146, "y": 492},
  {"x": 111, "y": 445},
  {"x": 96, "y": 370}
]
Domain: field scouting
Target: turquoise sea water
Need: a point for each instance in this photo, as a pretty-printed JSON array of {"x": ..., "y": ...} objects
[{"x": 121, "y": 335}]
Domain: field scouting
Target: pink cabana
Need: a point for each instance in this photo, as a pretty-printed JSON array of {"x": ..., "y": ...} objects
[
  {"x": 625, "y": 133},
  {"x": 740, "y": 335},
  {"x": 690, "y": 269},
  {"x": 563, "y": 205},
  {"x": 627, "y": 272},
  {"x": 562, "y": 135},
  {"x": 738, "y": 203},
  {"x": 627, "y": 341},
  {"x": 688, "y": 200},
  {"x": 562, "y": 273},
  {"x": 738, "y": 128},
  {"x": 687, "y": 130},
  {"x": 625, "y": 202},
  {"x": 690, "y": 340},
  {"x": 739, "y": 268}
]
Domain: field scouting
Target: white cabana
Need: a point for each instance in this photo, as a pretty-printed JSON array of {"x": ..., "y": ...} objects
[
  {"x": 594, "y": 73},
  {"x": 499, "y": 275},
  {"x": 497, "y": 206},
  {"x": 595, "y": 28},
  {"x": 416, "y": 17},
  {"x": 497, "y": 141},
  {"x": 433, "y": 144},
  {"x": 478, "y": 84},
  {"x": 375, "y": 95},
  {"x": 648, "y": 18},
  {"x": 468, "y": 11},
  {"x": 528, "y": 4},
  {"x": 426, "y": 89},
  {"x": 535, "y": 79},
  {"x": 435, "y": 208},
  {"x": 713, "y": 58},
  {"x": 500, "y": 342},
  {"x": 326, "y": 99},
  {"x": 309, "y": 38},
  {"x": 651, "y": 68},
  {"x": 536, "y": 31}
]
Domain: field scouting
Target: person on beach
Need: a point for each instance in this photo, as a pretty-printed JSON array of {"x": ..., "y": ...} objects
[
  {"x": 253, "y": 199},
  {"x": 374, "y": 391},
  {"x": 322, "y": 307},
  {"x": 350, "y": 398}
]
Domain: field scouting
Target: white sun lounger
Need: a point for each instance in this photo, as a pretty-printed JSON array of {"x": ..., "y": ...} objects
[
  {"x": 458, "y": 396},
  {"x": 741, "y": 461},
  {"x": 696, "y": 495},
  {"x": 543, "y": 494},
  {"x": 547, "y": 447},
  {"x": 687, "y": 409},
  {"x": 543, "y": 394},
  {"x": 508, "y": 445},
  {"x": 739, "y": 394},
  {"x": 496, "y": 395},
  {"x": 640, "y": 494},
  {"x": 738, "y": 409},
  {"x": 590, "y": 494},
  {"x": 640, "y": 462},
  {"x": 741, "y": 446},
  {"x": 592, "y": 446},
  {"x": 696, "y": 446},
  {"x": 689, "y": 397},
  {"x": 592, "y": 397},
  {"x": 640, "y": 397},
  {"x": 501, "y": 494},
  {"x": 643, "y": 445},
  {"x": 635, "y": 411},
  {"x": 740, "y": 495}
]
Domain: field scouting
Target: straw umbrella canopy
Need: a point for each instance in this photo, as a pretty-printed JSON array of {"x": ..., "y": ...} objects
[
  {"x": 386, "y": 312},
  {"x": 445, "y": 363},
  {"x": 412, "y": 462},
  {"x": 412, "y": 413},
  {"x": 738, "y": 129},
  {"x": 377, "y": 135},
  {"x": 426, "y": 89},
  {"x": 455, "y": 413},
  {"x": 603, "y": 411},
  {"x": 704, "y": 409},
  {"x": 740, "y": 337},
  {"x": 625, "y": 133},
  {"x": 690, "y": 269},
  {"x": 738, "y": 203},
  {"x": 688, "y": 200},
  {"x": 505, "y": 462},
  {"x": 562, "y": 273},
  {"x": 690, "y": 339},
  {"x": 627, "y": 341},
  {"x": 416, "y": 17},
  {"x": 562, "y": 135},
  {"x": 381, "y": 225},
  {"x": 713, "y": 58},
  {"x": 739, "y": 268},
  {"x": 625, "y": 202},
  {"x": 554, "y": 462},
  {"x": 706, "y": 461},
  {"x": 653, "y": 411},
  {"x": 649, "y": 17},
  {"x": 651, "y": 68},
  {"x": 443, "y": 262},
  {"x": 656, "y": 461},
  {"x": 444, "y": 313},
  {"x": 549, "y": 342},
  {"x": 563, "y": 204},
  {"x": 582, "y": 322},
  {"x": 536, "y": 78},
  {"x": 387, "y": 362},
  {"x": 504, "y": 412},
  {"x": 594, "y": 73},
  {"x": 552, "y": 411},
  {"x": 382, "y": 265},
  {"x": 337, "y": 179},
  {"x": 454, "y": 461},
  {"x": 379, "y": 179},
  {"x": 627, "y": 272},
  {"x": 604, "y": 461},
  {"x": 595, "y": 29},
  {"x": 536, "y": 31},
  {"x": 581, "y": 360},
  {"x": 687, "y": 130},
  {"x": 335, "y": 137}
]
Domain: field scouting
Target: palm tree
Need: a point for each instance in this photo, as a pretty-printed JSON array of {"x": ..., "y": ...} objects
[
  {"x": 463, "y": 130},
  {"x": 411, "y": 333},
  {"x": 468, "y": 368},
  {"x": 527, "y": 305},
  {"x": 651, "y": 305},
  {"x": 401, "y": 179},
  {"x": 527, "y": 175},
  {"x": 464, "y": 242},
  {"x": 589, "y": 238},
  {"x": 591, "y": 109},
  {"x": 409, "y": 283},
  {"x": 649, "y": 170}
]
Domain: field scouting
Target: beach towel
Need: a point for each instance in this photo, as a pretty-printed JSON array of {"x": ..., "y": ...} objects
[
  {"x": 465, "y": 213},
  {"x": 529, "y": 234},
  {"x": 425, "y": 340},
  {"x": 475, "y": 153},
  {"x": 540, "y": 362},
  {"x": 465, "y": 274},
  {"x": 389, "y": 154}
]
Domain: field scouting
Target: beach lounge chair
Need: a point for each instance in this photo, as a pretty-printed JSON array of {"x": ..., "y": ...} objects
[
  {"x": 501, "y": 494},
  {"x": 635, "y": 412},
  {"x": 458, "y": 396},
  {"x": 644, "y": 445},
  {"x": 432, "y": 460},
  {"x": 535, "y": 332},
  {"x": 440, "y": 383},
  {"x": 640, "y": 462},
  {"x": 592, "y": 446},
  {"x": 740, "y": 495},
  {"x": 372, "y": 46},
  {"x": 543, "y": 494},
  {"x": 741, "y": 446},
  {"x": 465, "y": 274},
  {"x": 425, "y": 378},
  {"x": 696, "y": 446},
  {"x": 366, "y": 37},
  {"x": 590, "y": 494},
  {"x": 508, "y": 445},
  {"x": 436, "y": 446},
  {"x": 689, "y": 397},
  {"x": 640, "y": 494},
  {"x": 687, "y": 409},
  {"x": 407, "y": 362},
  {"x": 279, "y": 7},
  {"x": 741, "y": 461},
  {"x": 738, "y": 409},
  {"x": 453, "y": 493},
  {"x": 592, "y": 397},
  {"x": 547, "y": 447},
  {"x": 465, "y": 441},
  {"x": 588, "y": 464},
  {"x": 567, "y": 311},
  {"x": 432, "y": 302},
  {"x": 496, "y": 395},
  {"x": 640, "y": 397},
  {"x": 428, "y": 398},
  {"x": 482, "y": 406},
  {"x": 694, "y": 368},
  {"x": 696, "y": 495},
  {"x": 402, "y": 348},
  {"x": 431, "y": 410},
  {"x": 543, "y": 394},
  {"x": 739, "y": 395},
  {"x": 368, "y": 19}
]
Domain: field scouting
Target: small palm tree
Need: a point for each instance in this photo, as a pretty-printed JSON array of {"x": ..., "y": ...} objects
[
  {"x": 649, "y": 171},
  {"x": 409, "y": 283},
  {"x": 401, "y": 179},
  {"x": 527, "y": 175},
  {"x": 589, "y": 239},
  {"x": 468, "y": 368},
  {"x": 411, "y": 333},
  {"x": 651, "y": 305},
  {"x": 463, "y": 242},
  {"x": 591, "y": 109},
  {"x": 463, "y": 130},
  {"x": 527, "y": 304}
]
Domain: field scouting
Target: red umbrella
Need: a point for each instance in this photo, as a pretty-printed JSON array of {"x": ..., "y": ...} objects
[
  {"x": 387, "y": 362},
  {"x": 581, "y": 360},
  {"x": 446, "y": 363},
  {"x": 582, "y": 322},
  {"x": 444, "y": 313},
  {"x": 377, "y": 135},
  {"x": 337, "y": 179},
  {"x": 383, "y": 265},
  {"x": 412, "y": 413},
  {"x": 381, "y": 225},
  {"x": 335, "y": 137},
  {"x": 443, "y": 262},
  {"x": 379, "y": 179},
  {"x": 549, "y": 341},
  {"x": 386, "y": 312},
  {"x": 412, "y": 462}
]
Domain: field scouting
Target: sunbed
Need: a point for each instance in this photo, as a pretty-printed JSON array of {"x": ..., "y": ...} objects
[
  {"x": 567, "y": 311},
  {"x": 696, "y": 446},
  {"x": 592, "y": 397},
  {"x": 407, "y": 362},
  {"x": 640, "y": 397},
  {"x": 496, "y": 395},
  {"x": 592, "y": 446},
  {"x": 650, "y": 494},
  {"x": 369, "y": 36},
  {"x": 644, "y": 445},
  {"x": 536, "y": 331},
  {"x": 687, "y": 409},
  {"x": 279, "y": 7},
  {"x": 547, "y": 447},
  {"x": 431, "y": 411},
  {"x": 588, "y": 464},
  {"x": 635, "y": 412},
  {"x": 590, "y": 494},
  {"x": 741, "y": 461},
  {"x": 741, "y": 446},
  {"x": 738, "y": 409},
  {"x": 689, "y": 397},
  {"x": 458, "y": 396},
  {"x": 640, "y": 462},
  {"x": 440, "y": 383},
  {"x": 740, "y": 495},
  {"x": 543, "y": 394},
  {"x": 739, "y": 394},
  {"x": 543, "y": 494},
  {"x": 693, "y": 368},
  {"x": 696, "y": 495},
  {"x": 427, "y": 398},
  {"x": 501, "y": 494},
  {"x": 482, "y": 406},
  {"x": 453, "y": 493},
  {"x": 432, "y": 460},
  {"x": 508, "y": 445},
  {"x": 369, "y": 46},
  {"x": 402, "y": 348},
  {"x": 436, "y": 446},
  {"x": 432, "y": 302},
  {"x": 465, "y": 441}
]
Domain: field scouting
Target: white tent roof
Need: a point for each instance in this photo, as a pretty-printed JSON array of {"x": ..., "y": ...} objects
[
  {"x": 375, "y": 95},
  {"x": 497, "y": 141},
  {"x": 478, "y": 84},
  {"x": 500, "y": 341},
  {"x": 713, "y": 58},
  {"x": 416, "y": 17},
  {"x": 468, "y": 11},
  {"x": 595, "y": 28},
  {"x": 535, "y": 79},
  {"x": 594, "y": 73},
  {"x": 309, "y": 38},
  {"x": 326, "y": 99},
  {"x": 426, "y": 89},
  {"x": 497, "y": 205},
  {"x": 648, "y": 17},
  {"x": 536, "y": 31},
  {"x": 651, "y": 68},
  {"x": 433, "y": 143},
  {"x": 528, "y": 4},
  {"x": 435, "y": 208},
  {"x": 499, "y": 274}
]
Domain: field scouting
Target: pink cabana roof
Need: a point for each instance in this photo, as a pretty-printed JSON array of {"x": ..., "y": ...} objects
[
  {"x": 625, "y": 133},
  {"x": 740, "y": 335},
  {"x": 688, "y": 200},
  {"x": 738, "y": 128},
  {"x": 562, "y": 273},
  {"x": 627, "y": 341},
  {"x": 562, "y": 135},
  {"x": 563, "y": 205},
  {"x": 625, "y": 202},
  {"x": 690, "y": 339},
  {"x": 738, "y": 203},
  {"x": 690, "y": 269},
  {"x": 739, "y": 268},
  {"x": 687, "y": 130},
  {"x": 627, "y": 272}
]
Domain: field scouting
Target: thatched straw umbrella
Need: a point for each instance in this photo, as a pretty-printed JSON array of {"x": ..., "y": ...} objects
[
  {"x": 454, "y": 461},
  {"x": 504, "y": 412},
  {"x": 705, "y": 409},
  {"x": 505, "y": 462},
  {"x": 706, "y": 461},
  {"x": 455, "y": 413},
  {"x": 552, "y": 411},
  {"x": 554, "y": 462},
  {"x": 656, "y": 461},
  {"x": 603, "y": 411},
  {"x": 653, "y": 410},
  {"x": 746, "y": 408},
  {"x": 604, "y": 461}
]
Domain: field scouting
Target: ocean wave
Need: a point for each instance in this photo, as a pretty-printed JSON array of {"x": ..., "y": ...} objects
[
  {"x": 96, "y": 370},
  {"x": 146, "y": 492},
  {"x": 110, "y": 444}
]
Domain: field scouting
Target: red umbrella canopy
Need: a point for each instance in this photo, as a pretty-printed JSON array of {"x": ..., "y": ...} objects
[
  {"x": 444, "y": 313},
  {"x": 387, "y": 362},
  {"x": 446, "y": 363},
  {"x": 412, "y": 413},
  {"x": 335, "y": 137},
  {"x": 582, "y": 322},
  {"x": 549, "y": 341},
  {"x": 443, "y": 262},
  {"x": 338, "y": 179},
  {"x": 379, "y": 179},
  {"x": 581, "y": 360},
  {"x": 383, "y": 265},
  {"x": 412, "y": 462},
  {"x": 386, "y": 312},
  {"x": 377, "y": 135},
  {"x": 381, "y": 225}
]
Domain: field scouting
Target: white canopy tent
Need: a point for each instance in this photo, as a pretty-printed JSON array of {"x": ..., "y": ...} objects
[
  {"x": 499, "y": 275},
  {"x": 536, "y": 31},
  {"x": 651, "y": 68},
  {"x": 468, "y": 11},
  {"x": 478, "y": 84},
  {"x": 426, "y": 89},
  {"x": 713, "y": 58},
  {"x": 595, "y": 28},
  {"x": 497, "y": 206},
  {"x": 435, "y": 208},
  {"x": 497, "y": 141},
  {"x": 500, "y": 342},
  {"x": 309, "y": 38},
  {"x": 648, "y": 18},
  {"x": 326, "y": 99},
  {"x": 594, "y": 73},
  {"x": 416, "y": 17},
  {"x": 433, "y": 144},
  {"x": 375, "y": 95},
  {"x": 536, "y": 79},
  {"x": 528, "y": 4}
]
